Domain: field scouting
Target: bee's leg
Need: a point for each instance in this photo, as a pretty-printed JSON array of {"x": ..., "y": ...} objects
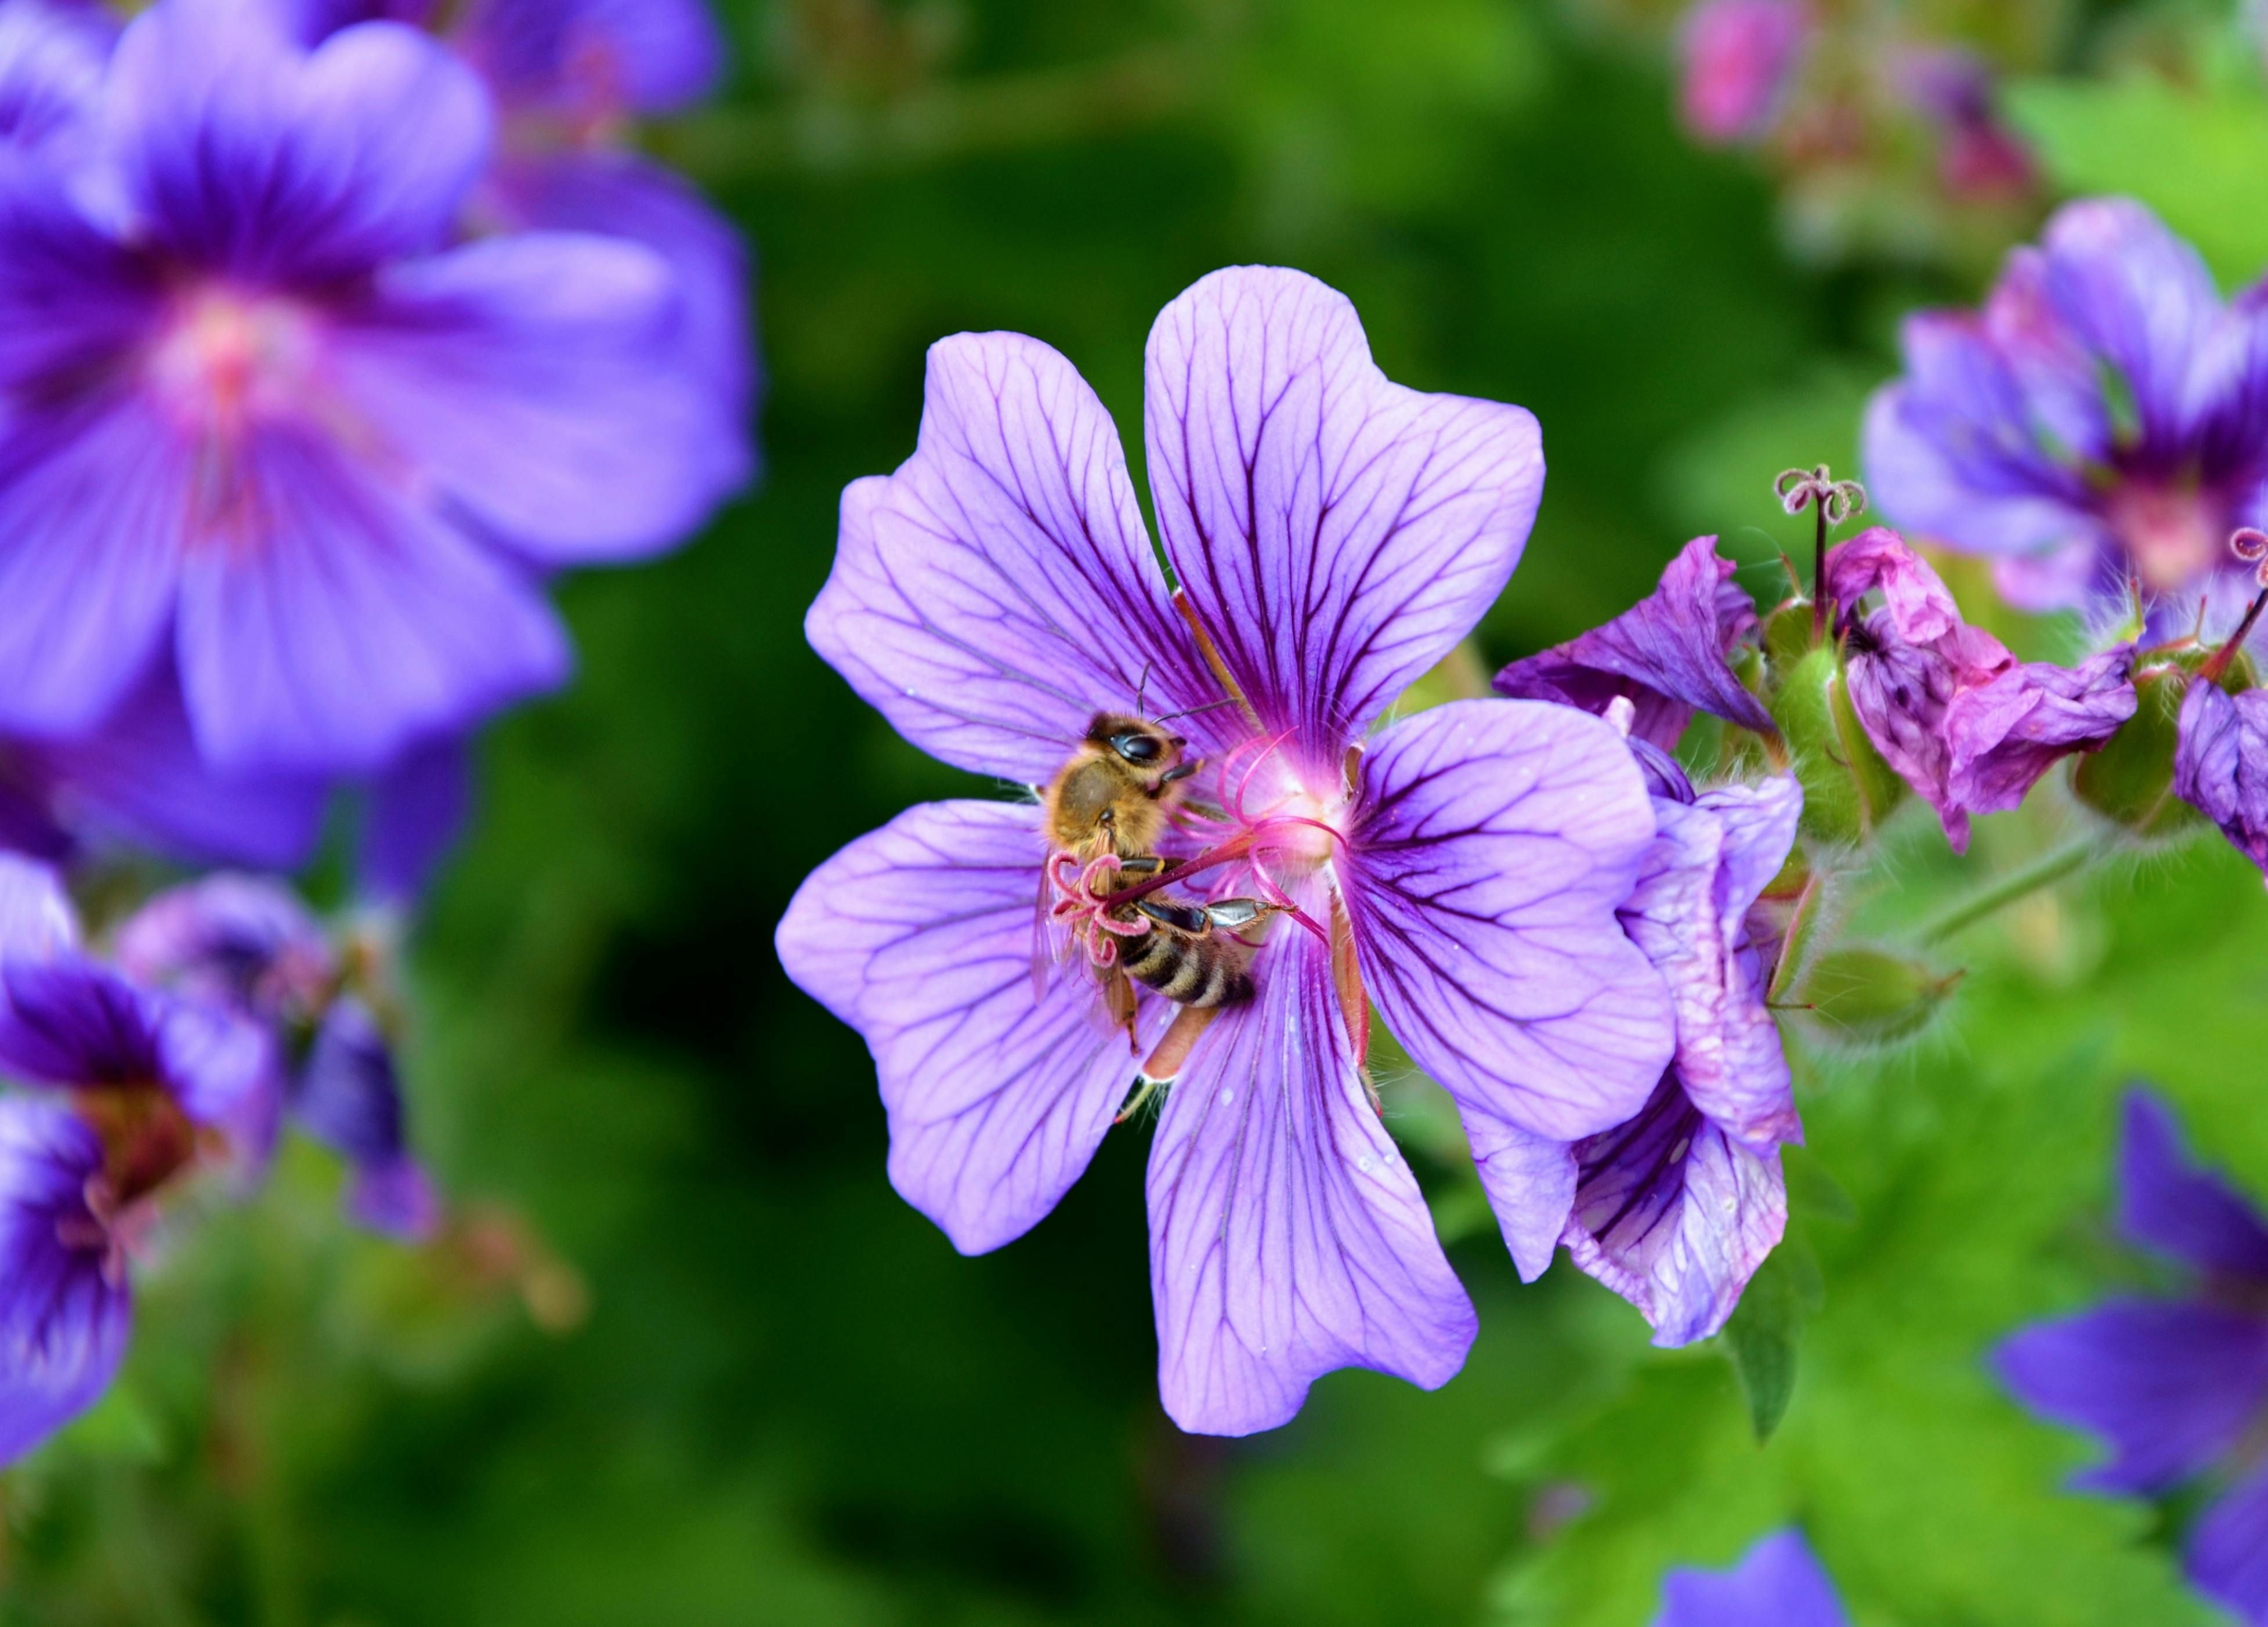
[
  {"x": 1148, "y": 865},
  {"x": 1165, "y": 1063}
]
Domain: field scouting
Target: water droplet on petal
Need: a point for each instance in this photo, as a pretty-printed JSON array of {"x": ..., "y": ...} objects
[{"x": 1227, "y": 1096}]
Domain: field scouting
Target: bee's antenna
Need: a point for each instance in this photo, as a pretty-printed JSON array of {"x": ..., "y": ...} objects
[
  {"x": 1142, "y": 689},
  {"x": 1191, "y": 711}
]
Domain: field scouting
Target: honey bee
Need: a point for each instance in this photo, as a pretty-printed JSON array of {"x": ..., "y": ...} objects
[
  {"x": 1112, "y": 797},
  {"x": 1115, "y": 798}
]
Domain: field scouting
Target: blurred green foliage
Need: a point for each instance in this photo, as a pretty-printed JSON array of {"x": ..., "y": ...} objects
[{"x": 684, "y": 1357}]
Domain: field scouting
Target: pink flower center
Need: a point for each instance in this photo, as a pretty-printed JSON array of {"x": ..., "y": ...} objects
[
  {"x": 2173, "y": 534},
  {"x": 226, "y": 356}
]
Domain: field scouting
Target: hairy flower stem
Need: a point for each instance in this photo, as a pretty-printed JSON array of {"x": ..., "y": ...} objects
[{"x": 2012, "y": 888}]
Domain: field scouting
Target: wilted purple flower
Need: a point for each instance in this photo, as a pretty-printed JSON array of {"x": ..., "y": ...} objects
[
  {"x": 1735, "y": 60},
  {"x": 1968, "y": 727},
  {"x": 263, "y": 416},
  {"x": 2220, "y": 763},
  {"x": 1676, "y": 1208},
  {"x": 569, "y": 78},
  {"x": 1666, "y": 655},
  {"x": 145, "y": 1088},
  {"x": 249, "y": 946},
  {"x": 1335, "y": 535},
  {"x": 2100, "y": 421},
  {"x": 2178, "y": 1389},
  {"x": 1778, "y": 1584}
]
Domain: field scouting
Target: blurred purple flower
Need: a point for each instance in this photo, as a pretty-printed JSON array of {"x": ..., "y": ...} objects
[
  {"x": 2104, "y": 417},
  {"x": 2178, "y": 1389},
  {"x": 1736, "y": 58},
  {"x": 1978, "y": 156},
  {"x": 2220, "y": 763},
  {"x": 1968, "y": 727},
  {"x": 145, "y": 1088},
  {"x": 263, "y": 417},
  {"x": 1666, "y": 655},
  {"x": 249, "y": 946},
  {"x": 1335, "y": 535},
  {"x": 1676, "y": 1208},
  {"x": 1778, "y": 1584}
]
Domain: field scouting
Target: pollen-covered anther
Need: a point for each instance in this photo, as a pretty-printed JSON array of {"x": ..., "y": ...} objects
[{"x": 1084, "y": 906}]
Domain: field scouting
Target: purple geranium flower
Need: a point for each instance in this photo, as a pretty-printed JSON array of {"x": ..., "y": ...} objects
[
  {"x": 1967, "y": 725},
  {"x": 132, "y": 1091},
  {"x": 2178, "y": 1389},
  {"x": 249, "y": 945},
  {"x": 1335, "y": 535},
  {"x": 1778, "y": 1584},
  {"x": 2098, "y": 423},
  {"x": 1666, "y": 655},
  {"x": 1736, "y": 58},
  {"x": 261, "y": 415}
]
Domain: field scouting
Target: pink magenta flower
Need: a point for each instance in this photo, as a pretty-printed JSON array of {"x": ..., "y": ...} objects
[{"x": 1334, "y": 536}]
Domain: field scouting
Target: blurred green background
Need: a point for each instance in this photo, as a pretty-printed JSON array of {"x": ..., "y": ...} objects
[{"x": 686, "y": 1359}]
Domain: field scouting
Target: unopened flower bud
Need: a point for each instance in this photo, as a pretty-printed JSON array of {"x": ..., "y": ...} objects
[
  {"x": 1867, "y": 999},
  {"x": 1848, "y": 789}
]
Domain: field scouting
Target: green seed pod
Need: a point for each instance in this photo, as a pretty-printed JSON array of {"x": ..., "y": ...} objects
[
  {"x": 1867, "y": 999},
  {"x": 1848, "y": 790}
]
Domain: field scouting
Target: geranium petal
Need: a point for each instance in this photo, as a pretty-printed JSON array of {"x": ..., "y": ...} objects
[
  {"x": 2220, "y": 763},
  {"x": 92, "y": 500},
  {"x": 37, "y": 922},
  {"x": 1665, "y": 654},
  {"x": 1930, "y": 468},
  {"x": 1000, "y": 590},
  {"x": 623, "y": 195},
  {"x": 1337, "y": 533},
  {"x": 649, "y": 55},
  {"x": 1287, "y": 1236},
  {"x": 1777, "y": 1583},
  {"x": 412, "y": 816},
  {"x": 1676, "y": 1215},
  {"x": 2227, "y": 1551},
  {"x": 331, "y": 622},
  {"x": 71, "y": 1021},
  {"x": 246, "y": 154},
  {"x": 1689, "y": 913},
  {"x": 2002, "y": 735},
  {"x": 2137, "y": 297},
  {"x": 537, "y": 379},
  {"x": 921, "y": 935},
  {"x": 1493, "y": 842},
  {"x": 63, "y": 1323},
  {"x": 140, "y": 779},
  {"x": 2170, "y": 1203},
  {"x": 2169, "y": 1388}
]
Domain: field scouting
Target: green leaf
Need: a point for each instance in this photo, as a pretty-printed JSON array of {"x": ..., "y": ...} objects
[
  {"x": 2196, "y": 157},
  {"x": 1762, "y": 1338}
]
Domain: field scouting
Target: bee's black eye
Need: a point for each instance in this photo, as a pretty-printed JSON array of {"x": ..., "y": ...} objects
[{"x": 1136, "y": 747}]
